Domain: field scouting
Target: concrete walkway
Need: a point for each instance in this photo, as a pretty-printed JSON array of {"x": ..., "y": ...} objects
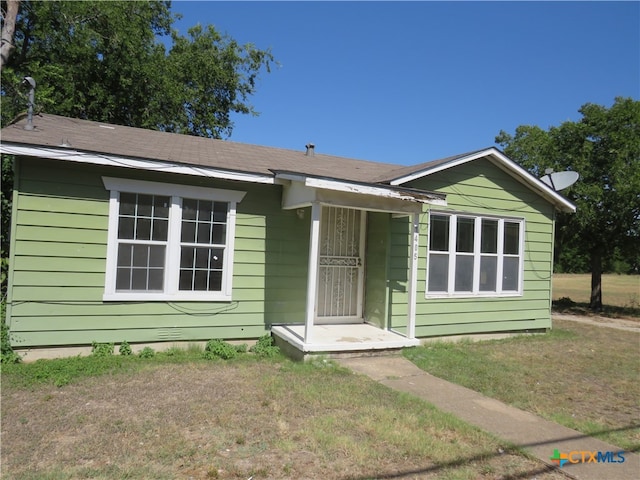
[{"x": 538, "y": 436}]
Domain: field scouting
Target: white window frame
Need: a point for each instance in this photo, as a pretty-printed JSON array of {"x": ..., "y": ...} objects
[
  {"x": 477, "y": 255},
  {"x": 172, "y": 261}
]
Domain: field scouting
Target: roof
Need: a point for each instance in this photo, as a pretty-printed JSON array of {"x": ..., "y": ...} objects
[{"x": 65, "y": 138}]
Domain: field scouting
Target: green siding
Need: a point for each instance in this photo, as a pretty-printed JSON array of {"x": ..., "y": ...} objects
[
  {"x": 478, "y": 188},
  {"x": 58, "y": 263}
]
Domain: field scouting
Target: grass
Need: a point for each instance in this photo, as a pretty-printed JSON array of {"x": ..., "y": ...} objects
[
  {"x": 584, "y": 377},
  {"x": 181, "y": 416},
  {"x": 620, "y": 294}
]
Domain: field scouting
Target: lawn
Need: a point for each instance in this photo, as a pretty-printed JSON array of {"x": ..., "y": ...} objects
[
  {"x": 185, "y": 417},
  {"x": 582, "y": 376}
]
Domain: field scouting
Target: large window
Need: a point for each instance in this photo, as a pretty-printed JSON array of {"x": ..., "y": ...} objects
[
  {"x": 470, "y": 255},
  {"x": 169, "y": 242}
]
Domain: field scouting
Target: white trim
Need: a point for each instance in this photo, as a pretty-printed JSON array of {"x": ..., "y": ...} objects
[
  {"x": 135, "y": 163},
  {"x": 312, "y": 276},
  {"x": 413, "y": 276},
  {"x": 341, "y": 186},
  {"x": 503, "y": 162},
  {"x": 173, "y": 244}
]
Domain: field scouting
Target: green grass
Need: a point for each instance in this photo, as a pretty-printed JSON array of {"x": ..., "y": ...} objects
[{"x": 581, "y": 376}]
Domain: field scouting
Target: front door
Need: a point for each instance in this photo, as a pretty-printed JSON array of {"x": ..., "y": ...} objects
[{"x": 340, "y": 265}]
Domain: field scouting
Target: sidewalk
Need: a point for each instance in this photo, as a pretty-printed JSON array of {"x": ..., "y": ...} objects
[{"x": 538, "y": 436}]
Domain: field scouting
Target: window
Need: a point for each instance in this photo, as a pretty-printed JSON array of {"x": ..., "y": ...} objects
[
  {"x": 169, "y": 242},
  {"x": 471, "y": 255}
]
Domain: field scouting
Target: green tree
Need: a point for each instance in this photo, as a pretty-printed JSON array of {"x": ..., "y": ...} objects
[
  {"x": 604, "y": 148},
  {"x": 105, "y": 61}
]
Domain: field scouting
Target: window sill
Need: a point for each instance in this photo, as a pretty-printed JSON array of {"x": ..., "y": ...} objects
[
  {"x": 163, "y": 297},
  {"x": 463, "y": 295}
]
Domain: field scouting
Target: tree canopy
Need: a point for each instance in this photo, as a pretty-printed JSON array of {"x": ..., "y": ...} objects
[
  {"x": 121, "y": 62},
  {"x": 604, "y": 148},
  {"x": 105, "y": 61}
]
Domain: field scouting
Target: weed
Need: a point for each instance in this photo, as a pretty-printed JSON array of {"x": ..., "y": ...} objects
[
  {"x": 219, "y": 349},
  {"x": 147, "y": 352},
  {"x": 8, "y": 355},
  {"x": 264, "y": 347},
  {"x": 125, "y": 349},
  {"x": 101, "y": 349}
]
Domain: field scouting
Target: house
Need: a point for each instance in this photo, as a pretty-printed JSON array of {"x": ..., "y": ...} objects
[{"x": 120, "y": 233}]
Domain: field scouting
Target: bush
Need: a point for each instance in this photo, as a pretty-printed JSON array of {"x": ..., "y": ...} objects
[
  {"x": 125, "y": 349},
  {"x": 147, "y": 352},
  {"x": 219, "y": 349},
  {"x": 8, "y": 355},
  {"x": 264, "y": 347},
  {"x": 101, "y": 349}
]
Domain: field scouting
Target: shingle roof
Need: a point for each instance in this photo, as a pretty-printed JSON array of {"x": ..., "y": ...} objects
[{"x": 97, "y": 137}]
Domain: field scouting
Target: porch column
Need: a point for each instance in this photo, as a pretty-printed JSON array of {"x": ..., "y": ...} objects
[
  {"x": 312, "y": 279},
  {"x": 413, "y": 275}
]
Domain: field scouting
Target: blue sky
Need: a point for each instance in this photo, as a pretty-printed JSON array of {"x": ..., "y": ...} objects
[{"x": 408, "y": 82}]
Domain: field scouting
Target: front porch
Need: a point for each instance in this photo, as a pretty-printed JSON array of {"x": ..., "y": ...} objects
[{"x": 346, "y": 340}]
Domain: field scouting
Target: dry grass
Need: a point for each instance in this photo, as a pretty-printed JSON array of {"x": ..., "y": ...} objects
[
  {"x": 236, "y": 420},
  {"x": 620, "y": 294},
  {"x": 582, "y": 376}
]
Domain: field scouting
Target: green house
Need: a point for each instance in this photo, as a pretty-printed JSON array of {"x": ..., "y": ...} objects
[{"x": 121, "y": 233}]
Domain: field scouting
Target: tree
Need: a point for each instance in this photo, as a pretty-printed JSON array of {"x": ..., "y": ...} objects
[
  {"x": 105, "y": 61},
  {"x": 604, "y": 148},
  {"x": 9, "y": 16}
]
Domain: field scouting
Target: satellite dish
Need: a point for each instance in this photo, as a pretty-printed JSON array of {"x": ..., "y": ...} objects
[{"x": 560, "y": 180}]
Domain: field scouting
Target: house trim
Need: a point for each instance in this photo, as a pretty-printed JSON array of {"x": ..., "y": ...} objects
[
  {"x": 501, "y": 161},
  {"x": 133, "y": 163}
]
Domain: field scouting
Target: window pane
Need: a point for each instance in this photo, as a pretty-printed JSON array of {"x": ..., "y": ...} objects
[
  {"x": 204, "y": 233},
  {"x": 139, "y": 279},
  {"x": 128, "y": 203},
  {"x": 123, "y": 279},
  {"x": 438, "y": 272},
  {"x": 156, "y": 256},
  {"x": 144, "y": 205},
  {"x": 185, "y": 280},
  {"x": 188, "y": 234},
  {"x": 219, "y": 234},
  {"x": 511, "y": 238},
  {"x": 161, "y": 207},
  {"x": 489, "y": 237},
  {"x": 189, "y": 209},
  {"x": 124, "y": 255},
  {"x": 140, "y": 255},
  {"x": 464, "y": 273},
  {"x": 160, "y": 230},
  {"x": 200, "y": 280},
  {"x": 126, "y": 228},
  {"x": 510, "y": 278},
  {"x": 156, "y": 279},
  {"x": 187, "y": 257},
  {"x": 220, "y": 212},
  {"x": 439, "y": 233},
  {"x": 202, "y": 258},
  {"x": 204, "y": 211},
  {"x": 464, "y": 237},
  {"x": 488, "y": 274},
  {"x": 215, "y": 281},
  {"x": 217, "y": 256},
  {"x": 143, "y": 229}
]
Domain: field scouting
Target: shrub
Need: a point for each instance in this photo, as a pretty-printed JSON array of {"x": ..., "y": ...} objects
[
  {"x": 147, "y": 352},
  {"x": 219, "y": 349},
  {"x": 264, "y": 347},
  {"x": 101, "y": 349},
  {"x": 8, "y": 355},
  {"x": 125, "y": 349}
]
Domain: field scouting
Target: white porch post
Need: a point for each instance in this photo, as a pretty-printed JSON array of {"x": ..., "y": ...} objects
[
  {"x": 312, "y": 279},
  {"x": 413, "y": 276}
]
